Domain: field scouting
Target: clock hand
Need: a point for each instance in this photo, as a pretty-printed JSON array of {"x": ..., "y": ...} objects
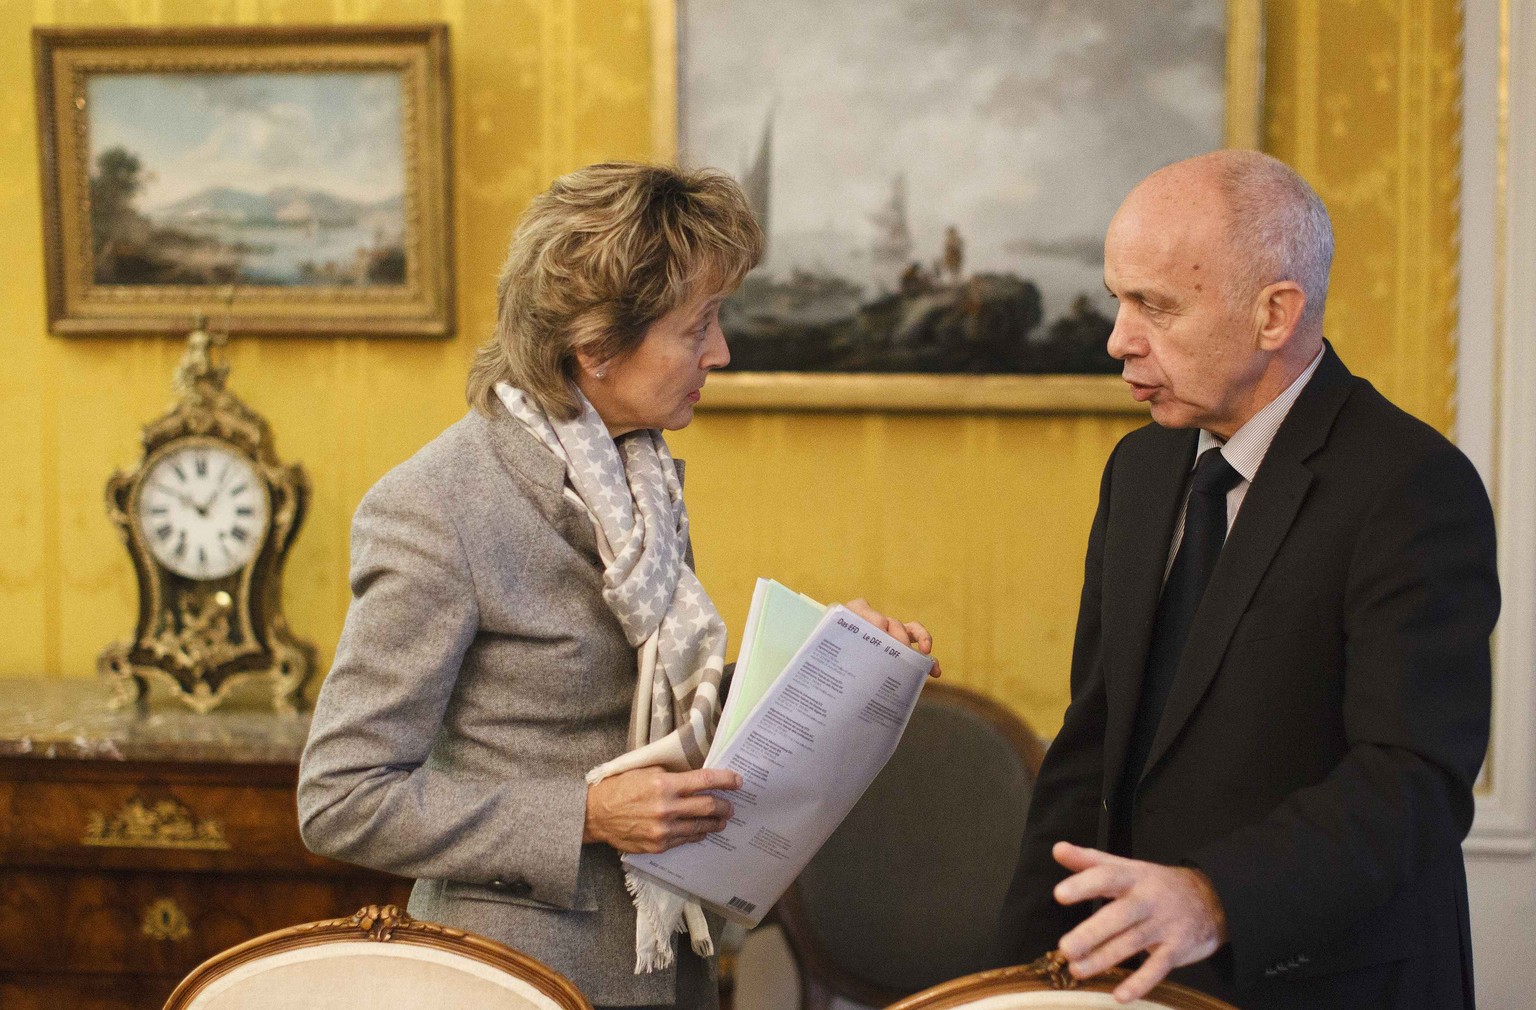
[
  {"x": 180, "y": 496},
  {"x": 202, "y": 509}
]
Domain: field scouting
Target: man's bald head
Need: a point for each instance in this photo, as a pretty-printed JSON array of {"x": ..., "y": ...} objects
[
  {"x": 1274, "y": 224},
  {"x": 1220, "y": 265}
]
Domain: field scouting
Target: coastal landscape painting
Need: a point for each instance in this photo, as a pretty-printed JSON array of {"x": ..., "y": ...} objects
[
  {"x": 268, "y": 180},
  {"x": 935, "y": 178}
]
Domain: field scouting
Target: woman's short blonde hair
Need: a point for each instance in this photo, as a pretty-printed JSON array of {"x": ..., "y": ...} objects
[{"x": 595, "y": 260}]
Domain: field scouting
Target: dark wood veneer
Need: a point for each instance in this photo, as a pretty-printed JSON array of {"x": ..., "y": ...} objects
[{"x": 73, "y": 915}]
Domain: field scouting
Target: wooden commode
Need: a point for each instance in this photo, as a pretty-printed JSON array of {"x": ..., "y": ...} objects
[{"x": 136, "y": 843}]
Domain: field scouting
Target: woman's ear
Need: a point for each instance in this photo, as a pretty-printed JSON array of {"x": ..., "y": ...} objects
[{"x": 591, "y": 365}]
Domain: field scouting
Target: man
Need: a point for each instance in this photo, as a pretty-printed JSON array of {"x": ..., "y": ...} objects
[{"x": 1280, "y": 682}]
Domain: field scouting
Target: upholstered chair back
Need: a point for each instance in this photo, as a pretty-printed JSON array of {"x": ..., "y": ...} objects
[
  {"x": 379, "y": 957},
  {"x": 906, "y": 893},
  {"x": 1046, "y": 985}
]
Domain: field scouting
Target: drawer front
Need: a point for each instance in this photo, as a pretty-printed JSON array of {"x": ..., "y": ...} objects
[
  {"x": 161, "y": 824},
  {"x": 160, "y": 923},
  {"x": 84, "y": 992}
]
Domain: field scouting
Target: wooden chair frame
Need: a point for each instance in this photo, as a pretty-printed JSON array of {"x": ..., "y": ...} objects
[
  {"x": 820, "y": 978},
  {"x": 1048, "y": 974},
  {"x": 381, "y": 924}
]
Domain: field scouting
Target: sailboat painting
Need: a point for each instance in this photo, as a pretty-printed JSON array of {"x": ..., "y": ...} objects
[{"x": 935, "y": 178}]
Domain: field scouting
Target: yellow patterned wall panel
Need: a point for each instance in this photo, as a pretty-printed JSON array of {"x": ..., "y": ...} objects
[
  {"x": 29, "y": 592},
  {"x": 975, "y": 523},
  {"x": 1364, "y": 100}
]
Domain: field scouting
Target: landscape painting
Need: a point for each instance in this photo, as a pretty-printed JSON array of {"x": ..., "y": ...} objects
[
  {"x": 935, "y": 178},
  {"x": 268, "y": 179},
  {"x": 260, "y": 179}
]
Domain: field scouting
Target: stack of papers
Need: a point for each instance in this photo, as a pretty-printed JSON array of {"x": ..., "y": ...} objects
[
  {"x": 779, "y": 622},
  {"x": 816, "y": 707}
]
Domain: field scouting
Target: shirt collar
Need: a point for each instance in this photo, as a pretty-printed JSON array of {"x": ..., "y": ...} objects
[{"x": 1246, "y": 448}]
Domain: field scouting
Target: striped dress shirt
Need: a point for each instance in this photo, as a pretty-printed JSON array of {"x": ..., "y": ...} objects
[{"x": 1244, "y": 451}]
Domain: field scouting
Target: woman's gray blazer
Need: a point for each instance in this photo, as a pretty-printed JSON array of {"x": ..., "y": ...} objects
[{"x": 478, "y": 677}]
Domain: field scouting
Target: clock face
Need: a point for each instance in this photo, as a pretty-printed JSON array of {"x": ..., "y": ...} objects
[{"x": 203, "y": 510}]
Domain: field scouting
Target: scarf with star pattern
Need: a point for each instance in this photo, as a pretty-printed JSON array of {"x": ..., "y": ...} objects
[{"x": 630, "y": 490}]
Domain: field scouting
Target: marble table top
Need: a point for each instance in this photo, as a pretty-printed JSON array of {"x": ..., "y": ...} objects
[{"x": 74, "y": 718}]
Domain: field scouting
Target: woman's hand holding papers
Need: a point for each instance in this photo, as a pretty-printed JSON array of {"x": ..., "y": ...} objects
[
  {"x": 651, "y": 810},
  {"x": 908, "y": 633}
]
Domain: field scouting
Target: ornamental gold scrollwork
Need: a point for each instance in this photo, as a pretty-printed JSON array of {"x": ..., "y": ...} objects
[
  {"x": 1052, "y": 968},
  {"x": 200, "y": 638},
  {"x": 380, "y": 923},
  {"x": 163, "y": 824}
]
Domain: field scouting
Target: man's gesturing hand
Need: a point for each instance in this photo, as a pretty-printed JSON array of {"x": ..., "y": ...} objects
[
  {"x": 1171, "y": 912},
  {"x": 650, "y": 810}
]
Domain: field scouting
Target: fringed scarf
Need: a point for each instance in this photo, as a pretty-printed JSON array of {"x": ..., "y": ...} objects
[{"x": 631, "y": 491}]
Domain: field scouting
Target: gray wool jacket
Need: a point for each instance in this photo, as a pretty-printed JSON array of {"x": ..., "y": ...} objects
[{"x": 479, "y": 676}]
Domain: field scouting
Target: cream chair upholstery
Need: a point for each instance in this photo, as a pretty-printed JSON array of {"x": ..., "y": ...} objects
[
  {"x": 378, "y": 957},
  {"x": 1046, "y": 985}
]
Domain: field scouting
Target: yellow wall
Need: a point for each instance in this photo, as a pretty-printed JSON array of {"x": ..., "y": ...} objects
[{"x": 974, "y": 523}]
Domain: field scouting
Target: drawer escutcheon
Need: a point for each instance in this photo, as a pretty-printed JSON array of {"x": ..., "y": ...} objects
[{"x": 164, "y": 920}]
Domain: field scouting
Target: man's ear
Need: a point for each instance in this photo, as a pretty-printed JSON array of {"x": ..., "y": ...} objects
[{"x": 1278, "y": 313}]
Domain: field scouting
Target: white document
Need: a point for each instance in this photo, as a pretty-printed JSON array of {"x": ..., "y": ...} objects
[{"x": 806, "y": 751}]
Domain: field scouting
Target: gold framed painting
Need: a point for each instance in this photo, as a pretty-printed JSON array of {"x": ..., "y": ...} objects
[
  {"x": 935, "y": 179},
  {"x": 275, "y": 180}
]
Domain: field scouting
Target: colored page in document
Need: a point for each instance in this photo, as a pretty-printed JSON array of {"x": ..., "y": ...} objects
[{"x": 784, "y": 620}]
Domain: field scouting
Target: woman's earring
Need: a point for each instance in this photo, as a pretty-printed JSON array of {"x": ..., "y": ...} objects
[{"x": 601, "y": 372}]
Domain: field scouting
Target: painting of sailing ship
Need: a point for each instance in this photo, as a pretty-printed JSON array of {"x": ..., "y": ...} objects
[
  {"x": 256, "y": 179},
  {"x": 935, "y": 178}
]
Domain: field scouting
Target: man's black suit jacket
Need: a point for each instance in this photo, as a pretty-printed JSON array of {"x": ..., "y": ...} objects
[{"x": 1317, "y": 752}]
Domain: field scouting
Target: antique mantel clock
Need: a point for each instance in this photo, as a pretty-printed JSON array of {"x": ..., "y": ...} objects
[{"x": 208, "y": 516}]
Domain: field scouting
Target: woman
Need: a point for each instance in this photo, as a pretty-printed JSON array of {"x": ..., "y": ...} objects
[{"x": 530, "y": 672}]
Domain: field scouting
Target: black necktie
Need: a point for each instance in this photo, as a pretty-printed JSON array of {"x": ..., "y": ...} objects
[{"x": 1205, "y": 530}]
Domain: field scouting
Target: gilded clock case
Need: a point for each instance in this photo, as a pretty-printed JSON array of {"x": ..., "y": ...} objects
[{"x": 202, "y": 638}]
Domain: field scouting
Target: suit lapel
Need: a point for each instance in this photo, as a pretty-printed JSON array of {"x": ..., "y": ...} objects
[
  {"x": 1268, "y": 511},
  {"x": 542, "y": 476},
  {"x": 1146, "y": 493}
]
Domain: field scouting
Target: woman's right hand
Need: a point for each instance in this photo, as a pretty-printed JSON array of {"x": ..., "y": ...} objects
[{"x": 651, "y": 810}]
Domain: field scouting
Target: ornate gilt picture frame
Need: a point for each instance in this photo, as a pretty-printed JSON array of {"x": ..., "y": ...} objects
[
  {"x": 895, "y": 273},
  {"x": 279, "y": 180}
]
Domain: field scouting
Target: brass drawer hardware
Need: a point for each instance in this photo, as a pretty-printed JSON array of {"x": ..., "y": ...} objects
[
  {"x": 164, "y": 920},
  {"x": 165, "y": 824}
]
